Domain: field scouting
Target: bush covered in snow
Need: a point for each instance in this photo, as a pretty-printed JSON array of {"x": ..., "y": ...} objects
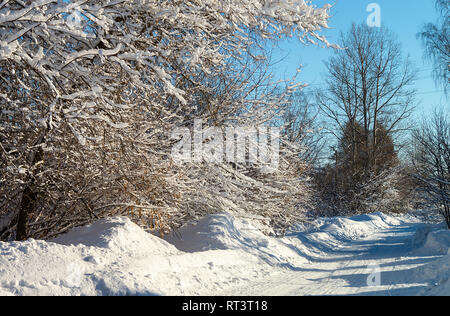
[{"x": 90, "y": 92}]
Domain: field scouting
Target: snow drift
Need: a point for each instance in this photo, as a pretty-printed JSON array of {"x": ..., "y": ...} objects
[
  {"x": 427, "y": 241},
  {"x": 430, "y": 240},
  {"x": 99, "y": 259},
  {"x": 116, "y": 257}
]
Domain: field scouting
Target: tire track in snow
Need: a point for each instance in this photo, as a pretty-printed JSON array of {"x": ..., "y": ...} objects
[{"x": 345, "y": 272}]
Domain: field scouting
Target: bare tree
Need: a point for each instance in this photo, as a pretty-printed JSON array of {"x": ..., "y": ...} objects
[
  {"x": 368, "y": 83},
  {"x": 367, "y": 98},
  {"x": 432, "y": 160},
  {"x": 436, "y": 39}
]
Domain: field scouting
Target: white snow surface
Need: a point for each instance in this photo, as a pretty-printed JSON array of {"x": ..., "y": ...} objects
[{"x": 226, "y": 255}]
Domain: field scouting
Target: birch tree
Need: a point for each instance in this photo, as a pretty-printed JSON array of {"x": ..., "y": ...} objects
[{"x": 436, "y": 40}]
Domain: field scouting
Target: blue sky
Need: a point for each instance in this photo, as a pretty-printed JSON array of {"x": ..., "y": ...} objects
[{"x": 403, "y": 17}]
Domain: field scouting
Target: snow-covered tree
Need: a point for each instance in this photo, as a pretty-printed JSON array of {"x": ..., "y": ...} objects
[{"x": 91, "y": 90}]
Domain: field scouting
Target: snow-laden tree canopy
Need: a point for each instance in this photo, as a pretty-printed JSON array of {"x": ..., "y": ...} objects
[{"x": 89, "y": 91}]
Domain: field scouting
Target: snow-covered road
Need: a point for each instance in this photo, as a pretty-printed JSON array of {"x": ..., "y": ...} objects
[
  {"x": 381, "y": 264},
  {"x": 375, "y": 254}
]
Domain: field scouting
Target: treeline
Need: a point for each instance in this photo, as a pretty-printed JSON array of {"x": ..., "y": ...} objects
[{"x": 381, "y": 158}]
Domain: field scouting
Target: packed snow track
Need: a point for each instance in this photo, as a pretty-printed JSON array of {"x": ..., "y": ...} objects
[{"x": 381, "y": 264}]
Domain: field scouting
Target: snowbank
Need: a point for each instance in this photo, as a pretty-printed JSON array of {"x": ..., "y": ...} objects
[
  {"x": 118, "y": 235},
  {"x": 226, "y": 232},
  {"x": 214, "y": 232},
  {"x": 116, "y": 257},
  {"x": 430, "y": 240},
  {"x": 437, "y": 274},
  {"x": 349, "y": 228},
  {"x": 324, "y": 235},
  {"x": 99, "y": 259}
]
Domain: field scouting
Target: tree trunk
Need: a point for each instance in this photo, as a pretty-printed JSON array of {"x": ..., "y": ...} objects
[
  {"x": 29, "y": 197},
  {"x": 27, "y": 207}
]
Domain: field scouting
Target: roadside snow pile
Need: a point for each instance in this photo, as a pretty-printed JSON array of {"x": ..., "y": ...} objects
[
  {"x": 329, "y": 233},
  {"x": 430, "y": 240},
  {"x": 433, "y": 240},
  {"x": 214, "y": 232},
  {"x": 99, "y": 259},
  {"x": 227, "y": 232},
  {"x": 355, "y": 227},
  {"x": 116, "y": 257},
  {"x": 437, "y": 274},
  {"x": 350, "y": 228},
  {"x": 118, "y": 234}
]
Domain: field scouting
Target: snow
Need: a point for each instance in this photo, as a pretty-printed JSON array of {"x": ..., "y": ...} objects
[
  {"x": 119, "y": 235},
  {"x": 428, "y": 242},
  {"x": 348, "y": 228},
  {"x": 437, "y": 274},
  {"x": 226, "y": 232},
  {"x": 223, "y": 254}
]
